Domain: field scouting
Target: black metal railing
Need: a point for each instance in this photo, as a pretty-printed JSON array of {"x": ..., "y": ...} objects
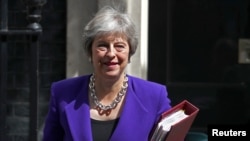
[{"x": 32, "y": 32}]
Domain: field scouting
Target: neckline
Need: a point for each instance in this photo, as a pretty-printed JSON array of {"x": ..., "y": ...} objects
[{"x": 104, "y": 121}]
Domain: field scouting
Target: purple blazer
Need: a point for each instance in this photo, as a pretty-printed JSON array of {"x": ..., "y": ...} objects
[{"x": 68, "y": 118}]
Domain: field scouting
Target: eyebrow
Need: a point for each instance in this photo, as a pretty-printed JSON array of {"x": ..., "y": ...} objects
[{"x": 124, "y": 43}]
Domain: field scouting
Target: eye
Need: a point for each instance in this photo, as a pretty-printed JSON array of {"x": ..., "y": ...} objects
[
  {"x": 102, "y": 47},
  {"x": 120, "y": 47}
]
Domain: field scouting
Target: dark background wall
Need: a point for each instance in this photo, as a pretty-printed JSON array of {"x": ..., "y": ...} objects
[
  {"x": 193, "y": 49},
  {"x": 52, "y": 58}
]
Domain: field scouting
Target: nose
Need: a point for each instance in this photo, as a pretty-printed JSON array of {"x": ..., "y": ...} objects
[{"x": 111, "y": 51}]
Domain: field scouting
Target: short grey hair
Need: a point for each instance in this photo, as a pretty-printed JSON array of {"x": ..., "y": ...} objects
[{"x": 108, "y": 20}]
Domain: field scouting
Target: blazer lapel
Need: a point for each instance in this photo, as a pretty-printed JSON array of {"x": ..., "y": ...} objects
[
  {"x": 78, "y": 116},
  {"x": 130, "y": 117}
]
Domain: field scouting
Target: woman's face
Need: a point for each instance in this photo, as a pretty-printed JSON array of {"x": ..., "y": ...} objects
[{"x": 110, "y": 55}]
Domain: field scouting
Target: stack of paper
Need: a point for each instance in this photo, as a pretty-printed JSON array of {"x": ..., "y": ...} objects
[{"x": 175, "y": 123}]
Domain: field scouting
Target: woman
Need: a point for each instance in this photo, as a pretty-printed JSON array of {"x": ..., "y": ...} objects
[{"x": 108, "y": 105}]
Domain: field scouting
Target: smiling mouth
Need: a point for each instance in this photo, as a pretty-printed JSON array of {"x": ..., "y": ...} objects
[{"x": 110, "y": 63}]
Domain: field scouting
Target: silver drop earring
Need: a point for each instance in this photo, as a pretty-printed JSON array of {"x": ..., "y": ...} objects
[{"x": 90, "y": 60}]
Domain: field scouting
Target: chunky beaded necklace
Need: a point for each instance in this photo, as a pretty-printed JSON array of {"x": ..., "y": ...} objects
[{"x": 114, "y": 103}]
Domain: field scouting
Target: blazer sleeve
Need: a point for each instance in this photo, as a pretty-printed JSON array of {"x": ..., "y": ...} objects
[
  {"x": 164, "y": 101},
  {"x": 53, "y": 130}
]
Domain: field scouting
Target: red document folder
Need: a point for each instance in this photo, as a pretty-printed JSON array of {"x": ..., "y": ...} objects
[{"x": 179, "y": 130}]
